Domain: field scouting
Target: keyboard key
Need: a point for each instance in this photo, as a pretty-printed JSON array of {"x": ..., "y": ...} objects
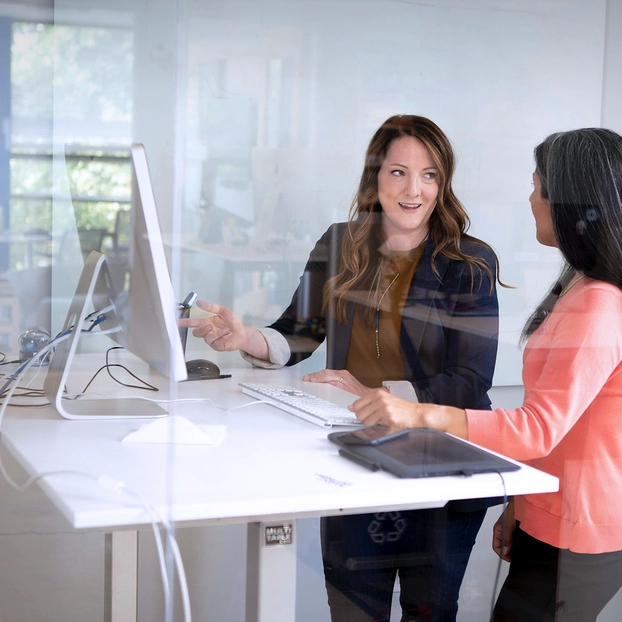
[{"x": 302, "y": 404}]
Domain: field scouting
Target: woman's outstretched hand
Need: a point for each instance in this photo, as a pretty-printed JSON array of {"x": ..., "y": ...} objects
[
  {"x": 225, "y": 331},
  {"x": 338, "y": 378},
  {"x": 378, "y": 406}
]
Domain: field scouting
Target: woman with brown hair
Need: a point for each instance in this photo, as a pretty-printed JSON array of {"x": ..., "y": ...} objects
[{"x": 406, "y": 300}]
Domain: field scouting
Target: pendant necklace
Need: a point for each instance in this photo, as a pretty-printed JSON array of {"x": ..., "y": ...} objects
[
  {"x": 573, "y": 281},
  {"x": 377, "y": 324}
]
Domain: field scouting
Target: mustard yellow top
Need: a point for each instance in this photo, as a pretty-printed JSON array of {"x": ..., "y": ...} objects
[{"x": 362, "y": 360}]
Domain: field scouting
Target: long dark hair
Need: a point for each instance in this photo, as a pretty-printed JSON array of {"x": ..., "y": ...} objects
[
  {"x": 581, "y": 177},
  {"x": 448, "y": 222}
]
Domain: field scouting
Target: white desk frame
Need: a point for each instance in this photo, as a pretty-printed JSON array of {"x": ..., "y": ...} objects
[{"x": 272, "y": 469}]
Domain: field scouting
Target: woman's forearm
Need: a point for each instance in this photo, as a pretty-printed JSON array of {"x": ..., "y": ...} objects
[
  {"x": 446, "y": 418},
  {"x": 380, "y": 407}
]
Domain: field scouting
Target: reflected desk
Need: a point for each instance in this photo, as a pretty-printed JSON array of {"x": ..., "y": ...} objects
[
  {"x": 271, "y": 469},
  {"x": 287, "y": 260},
  {"x": 29, "y": 240}
]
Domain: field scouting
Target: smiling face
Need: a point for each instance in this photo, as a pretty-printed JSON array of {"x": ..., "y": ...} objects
[
  {"x": 407, "y": 192},
  {"x": 541, "y": 209}
]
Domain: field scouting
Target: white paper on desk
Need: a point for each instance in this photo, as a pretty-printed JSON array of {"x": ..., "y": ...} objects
[{"x": 177, "y": 430}]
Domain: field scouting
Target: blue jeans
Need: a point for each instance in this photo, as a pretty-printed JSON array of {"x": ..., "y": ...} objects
[{"x": 427, "y": 549}]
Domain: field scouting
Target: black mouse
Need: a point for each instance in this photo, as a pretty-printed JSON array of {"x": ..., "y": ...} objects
[{"x": 202, "y": 369}]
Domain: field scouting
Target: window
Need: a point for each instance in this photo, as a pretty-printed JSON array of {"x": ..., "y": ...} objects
[{"x": 73, "y": 86}]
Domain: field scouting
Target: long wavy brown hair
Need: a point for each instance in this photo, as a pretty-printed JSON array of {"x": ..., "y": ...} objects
[{"x": 360, "y": 265}]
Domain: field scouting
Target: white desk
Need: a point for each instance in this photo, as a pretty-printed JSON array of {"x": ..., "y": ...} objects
[{"x": 271, "y": 469}]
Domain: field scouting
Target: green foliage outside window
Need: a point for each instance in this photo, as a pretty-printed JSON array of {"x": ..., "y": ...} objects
[
  {"x": 80, "y": 80},
  {"x": 93, "y": 178}
]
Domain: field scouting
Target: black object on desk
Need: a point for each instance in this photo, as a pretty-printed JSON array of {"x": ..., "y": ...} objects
[
  {"x": 423, "y": 452},
  {"x": 184, "y": 313},
  {"x": 202, "y": 369}
]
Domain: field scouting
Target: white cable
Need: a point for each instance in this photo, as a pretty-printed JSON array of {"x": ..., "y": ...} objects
[
  {"x": 251, "y": 404},
  {"x": 103, "y": 481},
  {"x": 108, "y": 331},
  {"x": 17, "y": 377},
  {"x": 500, "y": 560},
  {"x": 154, "y": 518},
  {"x": 38, "y": 356},
  {"x": 183, "y": 584},
  {"x": 34, "y": 377}
]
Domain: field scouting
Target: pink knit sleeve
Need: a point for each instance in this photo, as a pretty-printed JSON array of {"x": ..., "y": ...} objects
[
  {"x": 567, "y": 362},
  {"x": 484, "y": 428}
]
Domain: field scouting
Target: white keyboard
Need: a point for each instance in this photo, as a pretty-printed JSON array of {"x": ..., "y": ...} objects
[{"x": 304, "y": 405}]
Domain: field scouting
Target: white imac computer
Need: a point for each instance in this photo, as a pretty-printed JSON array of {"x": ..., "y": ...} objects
[{"x": 142, "y": 318}]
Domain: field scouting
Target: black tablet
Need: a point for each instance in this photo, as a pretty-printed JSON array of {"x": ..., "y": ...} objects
[{"x": 422, "y": 452}]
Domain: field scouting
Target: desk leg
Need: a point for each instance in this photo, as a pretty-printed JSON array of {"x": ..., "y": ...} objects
[
  {"x": 121, "y": 577},
  {"x": 271, "y": 572}
]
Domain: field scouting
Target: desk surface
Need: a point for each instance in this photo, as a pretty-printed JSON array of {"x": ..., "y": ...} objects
[{"x": 270, "y": 466}]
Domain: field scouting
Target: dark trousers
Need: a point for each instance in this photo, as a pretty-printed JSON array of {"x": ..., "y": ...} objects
[
  {"x": 547, "y": 584},
  {"x": 427, "y": 549}
]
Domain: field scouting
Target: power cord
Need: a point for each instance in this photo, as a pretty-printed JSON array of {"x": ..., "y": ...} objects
[
  {"x": 107, "y": 367},
  {"x": 26, "y": 391},
  {"x": 3, "y": 360},
  {"x": 500, "y": 561}
]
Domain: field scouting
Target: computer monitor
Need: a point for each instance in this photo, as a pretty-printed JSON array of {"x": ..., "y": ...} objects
[{"x": 144, "y": 313}]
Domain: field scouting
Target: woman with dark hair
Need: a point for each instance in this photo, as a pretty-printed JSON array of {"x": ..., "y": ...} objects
[
  {"x": 564, "y": 548},
  {"x": 406, "y": 301}
]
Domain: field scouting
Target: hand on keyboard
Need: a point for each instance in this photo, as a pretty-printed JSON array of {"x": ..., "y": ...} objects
[{"x": 340, "y": 378}]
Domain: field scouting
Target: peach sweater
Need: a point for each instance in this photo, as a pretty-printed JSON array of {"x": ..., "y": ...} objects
[{"x": 570, "y": 424}]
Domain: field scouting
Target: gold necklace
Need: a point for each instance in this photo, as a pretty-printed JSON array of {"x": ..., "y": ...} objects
[
  {"x": 573, "y": 281},
  {"x": 377, "y": 325}
]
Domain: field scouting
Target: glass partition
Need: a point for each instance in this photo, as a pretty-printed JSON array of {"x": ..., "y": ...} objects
[{"x": 255, "y": 116}]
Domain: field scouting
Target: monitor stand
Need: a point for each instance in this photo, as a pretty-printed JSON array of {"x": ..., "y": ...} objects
[{"x": 95, "y": 291}]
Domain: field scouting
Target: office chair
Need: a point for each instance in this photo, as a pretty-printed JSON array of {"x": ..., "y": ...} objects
[
  {"x": 88, "y": 240},
  {"x": 121, "y": 234}
]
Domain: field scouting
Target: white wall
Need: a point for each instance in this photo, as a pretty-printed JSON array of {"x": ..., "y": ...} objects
[{"x": 496, "y": 76}]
